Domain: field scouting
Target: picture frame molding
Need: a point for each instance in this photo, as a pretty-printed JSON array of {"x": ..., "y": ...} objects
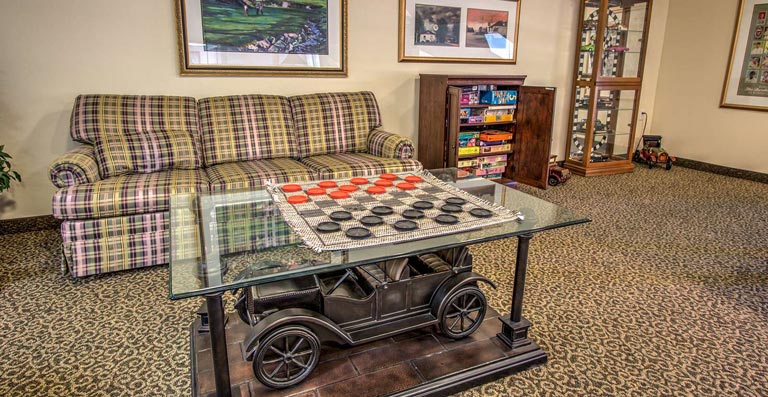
[
  {"x": 185, "y": 69},
  {"x": 409, "y": 58},
  {"x": 729, "y": 69}
]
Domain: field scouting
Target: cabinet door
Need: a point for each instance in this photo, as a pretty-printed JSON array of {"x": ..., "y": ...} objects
[
  {"x": 452, "y": 145},
  {"x": 535, "y": 115}
]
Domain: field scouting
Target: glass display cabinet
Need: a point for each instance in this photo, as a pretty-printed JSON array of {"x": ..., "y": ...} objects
[{"x": 608, "y": 75}]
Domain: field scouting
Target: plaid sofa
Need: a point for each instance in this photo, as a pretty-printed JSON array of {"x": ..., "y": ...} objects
[{"x": 114, "y": 189}]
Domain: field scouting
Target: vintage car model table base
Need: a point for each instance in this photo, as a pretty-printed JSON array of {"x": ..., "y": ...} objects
[{"x": 418, "y": 363}]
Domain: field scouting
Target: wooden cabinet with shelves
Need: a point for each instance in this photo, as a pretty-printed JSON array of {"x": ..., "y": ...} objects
[{"x": 440, "y": 125}]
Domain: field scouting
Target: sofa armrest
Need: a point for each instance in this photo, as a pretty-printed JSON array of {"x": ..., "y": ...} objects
[
  {"x": 388, "y": 145},
  {"x": 76, "y": 167}
]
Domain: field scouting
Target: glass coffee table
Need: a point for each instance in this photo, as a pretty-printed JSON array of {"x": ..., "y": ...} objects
[{"x": 236, "y": 240}]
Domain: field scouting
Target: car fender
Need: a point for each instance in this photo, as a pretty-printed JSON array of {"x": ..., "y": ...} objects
[
  {"x": 452, "y": 285},
  {"x": 325, "y": 329}
]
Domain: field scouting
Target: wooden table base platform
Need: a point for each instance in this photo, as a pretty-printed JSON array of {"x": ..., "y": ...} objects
[{"x": 418, "y": 363}]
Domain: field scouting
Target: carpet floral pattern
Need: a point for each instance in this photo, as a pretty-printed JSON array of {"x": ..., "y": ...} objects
[{"x": 664, "y": 293}]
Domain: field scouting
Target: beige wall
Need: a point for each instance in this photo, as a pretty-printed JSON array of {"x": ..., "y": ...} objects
[
  {"x": 687, "y": 113},
  {"x": 54, "y": 50}
]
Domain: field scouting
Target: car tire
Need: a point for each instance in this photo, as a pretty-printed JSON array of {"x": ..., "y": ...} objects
[
  {"x": 552, "y": 181},
  {"x": 650, "y": 164},
  {"x": 669, "y": 164},
  {"x": 283, "y": 351},
  {"x": 464, "y": 312}
]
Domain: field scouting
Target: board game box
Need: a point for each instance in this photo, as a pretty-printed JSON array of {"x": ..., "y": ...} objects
[{"x": 384, "y": 209}]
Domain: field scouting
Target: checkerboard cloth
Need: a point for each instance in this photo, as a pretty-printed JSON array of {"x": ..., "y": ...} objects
[
  {"x": 247, "y": 127},
  {"x": 334, "y": 122},
  {"x": 304, "y": 218},
  {"x": 76, "y": 167},
  {"x": 126, "y": 194},
  {"x": 96, "y": 115},
  {"x": 388, "y": 145}
]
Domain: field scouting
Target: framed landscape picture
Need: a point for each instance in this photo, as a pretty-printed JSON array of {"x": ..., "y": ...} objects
[
  {"x": 746, "y": 82},
  {"x": 262, "y": 37},
  {"x": 482, "y": 31}
]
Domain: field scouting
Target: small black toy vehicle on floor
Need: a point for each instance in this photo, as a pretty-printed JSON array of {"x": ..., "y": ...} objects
[{"x": 291, "y": 319}]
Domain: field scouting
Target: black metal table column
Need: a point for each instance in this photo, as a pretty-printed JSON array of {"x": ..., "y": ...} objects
[
  {"x": 514, "y": 330},
  {"x": 216, "y": 321}
]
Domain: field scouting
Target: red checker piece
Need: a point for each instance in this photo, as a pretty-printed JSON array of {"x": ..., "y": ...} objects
[
  {"x": 292, "y": 188},
  {"x": 348, "y": 188},
  {"x": 359, "y": 181},
  {"x": 383, "y": 183},
  {"x": 405, "y": 186},
  {"x": 389, "y": 177},
  {"x": 327, "y": 184},
  {"x": 413, "y": 179},
  {"x": 316, "y": 191},
  {"x": 376, "y": 190},
  {"x": 338, "y": 194},
  {"x": 298, "y": 199}
]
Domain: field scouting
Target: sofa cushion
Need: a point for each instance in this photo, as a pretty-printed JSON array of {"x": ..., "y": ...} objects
[
  {"x": 126, "y": 194},
  {"x": 334, "y": 122},
  {"x": 246, "y": 127},
  {"x": 97, "y": 115},
  {"x": 145, "y": 153},
  {"x": 251, "y": 174},
  {"x": 349, "y": 165}
]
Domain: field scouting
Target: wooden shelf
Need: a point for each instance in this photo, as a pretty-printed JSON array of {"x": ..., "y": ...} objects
[
  {"x": 488, "y": 123},
  {"x": 471, "y": 156}
]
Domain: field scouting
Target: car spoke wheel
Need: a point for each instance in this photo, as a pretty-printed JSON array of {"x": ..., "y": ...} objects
[
  {"x": 464, "y": 313},
  {"x": 286, "y": 357}
]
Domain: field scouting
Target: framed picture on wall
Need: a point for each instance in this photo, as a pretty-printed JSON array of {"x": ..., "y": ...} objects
[
  {"x": 481, "y": 31},
  {"x": 262, "y": 37},
  {"x": 746, "y": 82}
]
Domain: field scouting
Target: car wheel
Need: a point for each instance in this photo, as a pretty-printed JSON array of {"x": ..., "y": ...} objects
[
  {"x": 553, "y": 181},
  {"x": 650, "y": 164},
  {"x": 464, "y": 313},
  {"x": 669, "y": 164},
  {"x": 636, "y": 157},
  {"x": 285, "y": 357}
]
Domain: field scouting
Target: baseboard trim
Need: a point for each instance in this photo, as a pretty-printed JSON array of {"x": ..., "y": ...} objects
[
  {"x": 29, "y": 224},
  {"x": 722, "y": 170}
]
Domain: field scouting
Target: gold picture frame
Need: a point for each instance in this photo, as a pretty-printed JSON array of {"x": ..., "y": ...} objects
[
  {"x": 201, "y": 55},
  {"x": 746, "y": 78},
  {"x": 456, "y": 34}
]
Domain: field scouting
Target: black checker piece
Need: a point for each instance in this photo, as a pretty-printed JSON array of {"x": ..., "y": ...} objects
[
  {"x": 455, "y": 200},
  {"x": 358, "y": 233},
  {"x": 413, "y": 214},
  {"x": 446, "y": 219},
  {"x": 451, "y": 208},
  {"x": 423, "y": 205},
  {"x": 328, "y": 227},
  {"x": 382, "y": 210},
  {"x": 481, "y": 213},
  {"x": 405, "y": 226},
  {"x": 340, "y": 216},
  {"x": 371, "y": 220}
]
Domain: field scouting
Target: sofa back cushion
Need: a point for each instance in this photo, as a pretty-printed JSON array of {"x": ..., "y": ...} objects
[
  {"x": 246, "y": 127},
  {"x": 96, "y": 116},
  {"x": 145, "y": 153},
  {"x": 331, "y": 123}
]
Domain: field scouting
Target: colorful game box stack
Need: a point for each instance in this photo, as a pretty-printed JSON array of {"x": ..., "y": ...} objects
[
  {"x": 468, "y": 143},
  {"x": 504, "y": 104},
  {"x": 494, "y": 142}
]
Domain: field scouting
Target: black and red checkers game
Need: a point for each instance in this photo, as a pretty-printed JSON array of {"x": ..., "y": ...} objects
[{"x": 381, "y": 209}]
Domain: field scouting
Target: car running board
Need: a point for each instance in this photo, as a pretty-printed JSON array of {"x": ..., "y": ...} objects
[{"x": 391, "y": 328}]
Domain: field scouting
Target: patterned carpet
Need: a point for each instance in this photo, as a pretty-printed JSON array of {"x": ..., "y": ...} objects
[{"x": 665, "y": 293}]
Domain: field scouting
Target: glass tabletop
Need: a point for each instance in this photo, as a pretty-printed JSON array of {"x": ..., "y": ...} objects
[{"x": 225, "y": 241}]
